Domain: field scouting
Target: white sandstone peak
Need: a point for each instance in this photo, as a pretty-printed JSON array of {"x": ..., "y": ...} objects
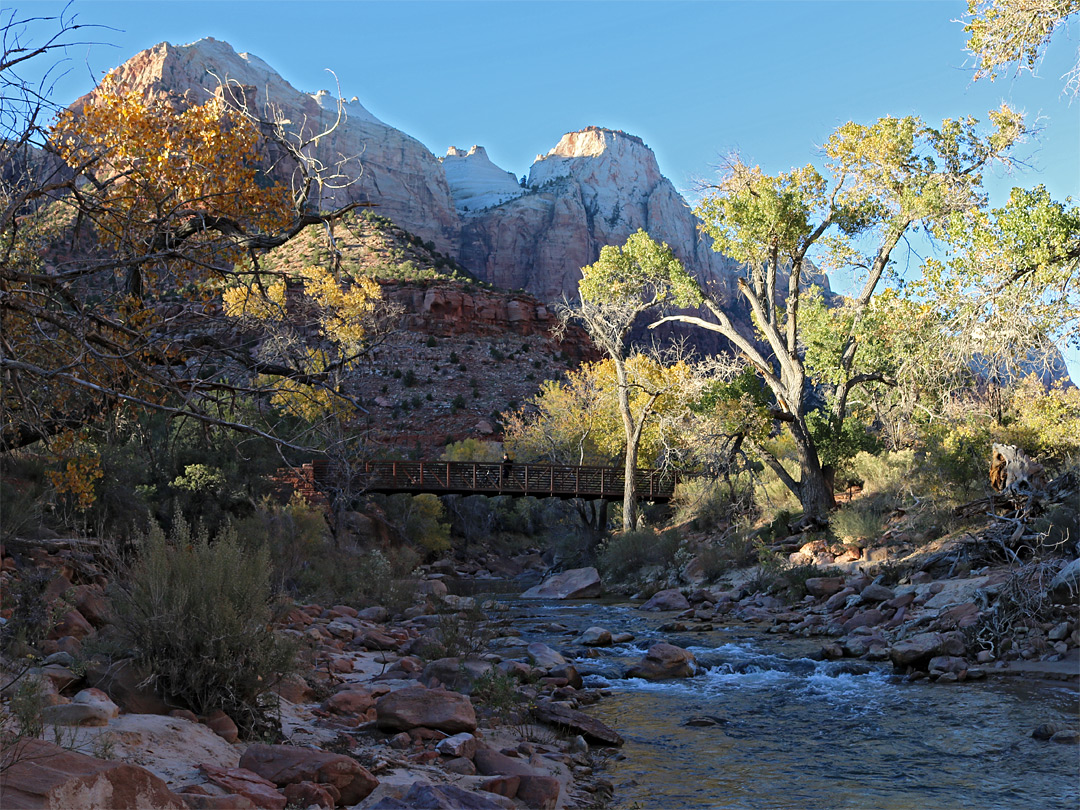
[{"x": 475, "y": 182}]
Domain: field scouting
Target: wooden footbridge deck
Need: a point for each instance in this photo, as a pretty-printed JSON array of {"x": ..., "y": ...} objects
[{"x": 478, "y": 478}]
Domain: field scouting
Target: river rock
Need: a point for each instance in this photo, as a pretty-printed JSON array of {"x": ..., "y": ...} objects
[
  {"x": 436, "y": 797},
  {"x": 459, "y": 745},
  {"x": 924, "y": 646},
  {"x": 287, "y": 764},
  {"x": 577, "y": 583},
  {"x": 560, "y": 716},
  {"x": 824, "y": 586},
  {"x": 544, "y": 657},
  {"x": 947, "y": 663},
  {"x": 39, "y": 774},
  {"x": 416, "y": 706},
  {"x": 669, "y": 599},
  {"x": 308, "y": 794},
  {"x": 876, "y": 593},
  {"x": 243, "y": 782},
  {"x": 664, "y": 661},
  {"x": 599, "y": 637},
  {"x": 456, "y": 673},
  {"x": 75, "y": 714},
  {"x": 354, "y": 700}
]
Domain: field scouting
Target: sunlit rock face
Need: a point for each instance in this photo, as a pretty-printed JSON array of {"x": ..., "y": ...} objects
[
  {"x": 475, "y": 182},
  {"x": 594, "y": 188},
  {"x": 385, "y": 165}
]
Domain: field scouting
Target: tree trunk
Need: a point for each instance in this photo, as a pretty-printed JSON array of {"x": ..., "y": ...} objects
[
  {"x": 632, "y": 430},
  {"x": 814, "y": 493}
]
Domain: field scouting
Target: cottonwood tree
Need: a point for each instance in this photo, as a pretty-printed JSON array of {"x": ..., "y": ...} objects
[
  {"x": 1004, "y": 34},
  {"x": 614, "y": 292},
  {"x": 120, "y": 225},
  {"x": 1007, "y": 291},
  {"x": 578, "y": 420},
  {"x": 879, "y": 182}
]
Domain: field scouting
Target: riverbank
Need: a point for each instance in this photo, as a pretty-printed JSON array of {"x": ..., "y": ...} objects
[{"x": 385, "y": 712}]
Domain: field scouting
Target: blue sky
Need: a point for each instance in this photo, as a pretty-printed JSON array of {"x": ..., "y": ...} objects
[{"x": 695, "y": 80}]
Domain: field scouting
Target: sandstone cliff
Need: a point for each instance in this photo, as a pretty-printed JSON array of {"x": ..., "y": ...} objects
[
  {"x": 594, "y": 188},
  {"x": 398, "y": 173}
]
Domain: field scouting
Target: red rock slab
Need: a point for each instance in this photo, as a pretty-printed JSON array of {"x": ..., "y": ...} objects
[
  {"x": 286, "y": 764},
  {"x": 40, "y": 775},
  {"x": 262, "y": 792}
]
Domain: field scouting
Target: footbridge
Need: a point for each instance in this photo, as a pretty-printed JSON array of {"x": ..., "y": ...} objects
[{"x": 480, "y": 478}]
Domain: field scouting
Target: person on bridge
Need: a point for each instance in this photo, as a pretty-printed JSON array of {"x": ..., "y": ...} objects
[{"x": 504, "y": 478}]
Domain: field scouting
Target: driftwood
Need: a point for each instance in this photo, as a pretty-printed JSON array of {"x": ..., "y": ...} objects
[{"x": 1013, "y": 470}]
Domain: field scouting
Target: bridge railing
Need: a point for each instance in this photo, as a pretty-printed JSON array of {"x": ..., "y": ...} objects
[{"x": 485, "y": 478}]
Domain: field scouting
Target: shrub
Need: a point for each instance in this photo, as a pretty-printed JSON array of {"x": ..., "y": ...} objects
[
  {"x": 862, "y": 520},
  {"x": 457, "y": 403},
  {"x": 431, "y": 342},
  {"x": 623, "y": 555},
  {"x": 199, "y": 613},
  {"x": 496, "y": 692},
  {"x": 350, "y": 577},
  {"x": 885, "y": 473},
  {"x": 737, "y": 550},
  {"x": 419, "y": 518},
  {"x": 705, "y": 503}
]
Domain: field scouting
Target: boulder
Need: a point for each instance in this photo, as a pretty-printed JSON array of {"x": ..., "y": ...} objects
[
  {"x": 288, "y": 764},
  {"x": 123, "y": 682},
  {"x": 455, "y": 673},
  {"x": 664, "y": 661},
  {"x": 308, "y": 794},
  {"x": 563, "y": 717},
  {"x": 416, "y": 706},
  {"x": 577, "y": 583},
  {"x": 437, "y": 797},
  {"x": 670, "y": 599},
  {"x": 596, "y": 637},
  {"x": 75, "y": 714},
  {"x": 920, "y": 648},
  {"x": 243, "y": 782},
  {"x": 459, "y": 745},
  {"x": 39, "y": 774},
  {"x": 876, "y": 593},
  {"x": 353, "y": 700},
  {"x": 544, "y": 657}
]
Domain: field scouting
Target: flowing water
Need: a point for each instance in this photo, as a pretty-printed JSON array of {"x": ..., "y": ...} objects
[{"x": 790, "y": 732}]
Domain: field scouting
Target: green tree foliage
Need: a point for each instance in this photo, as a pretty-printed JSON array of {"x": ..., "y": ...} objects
[
  {"x": 1004, "y": 34},
  {"x": 1010, "y": 283},
  {"x": 614, "y": 291},
  {"x": 879, "y": 182}
]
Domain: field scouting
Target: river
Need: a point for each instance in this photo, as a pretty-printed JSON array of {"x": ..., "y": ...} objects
[{"x": 787, "y": 731}]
